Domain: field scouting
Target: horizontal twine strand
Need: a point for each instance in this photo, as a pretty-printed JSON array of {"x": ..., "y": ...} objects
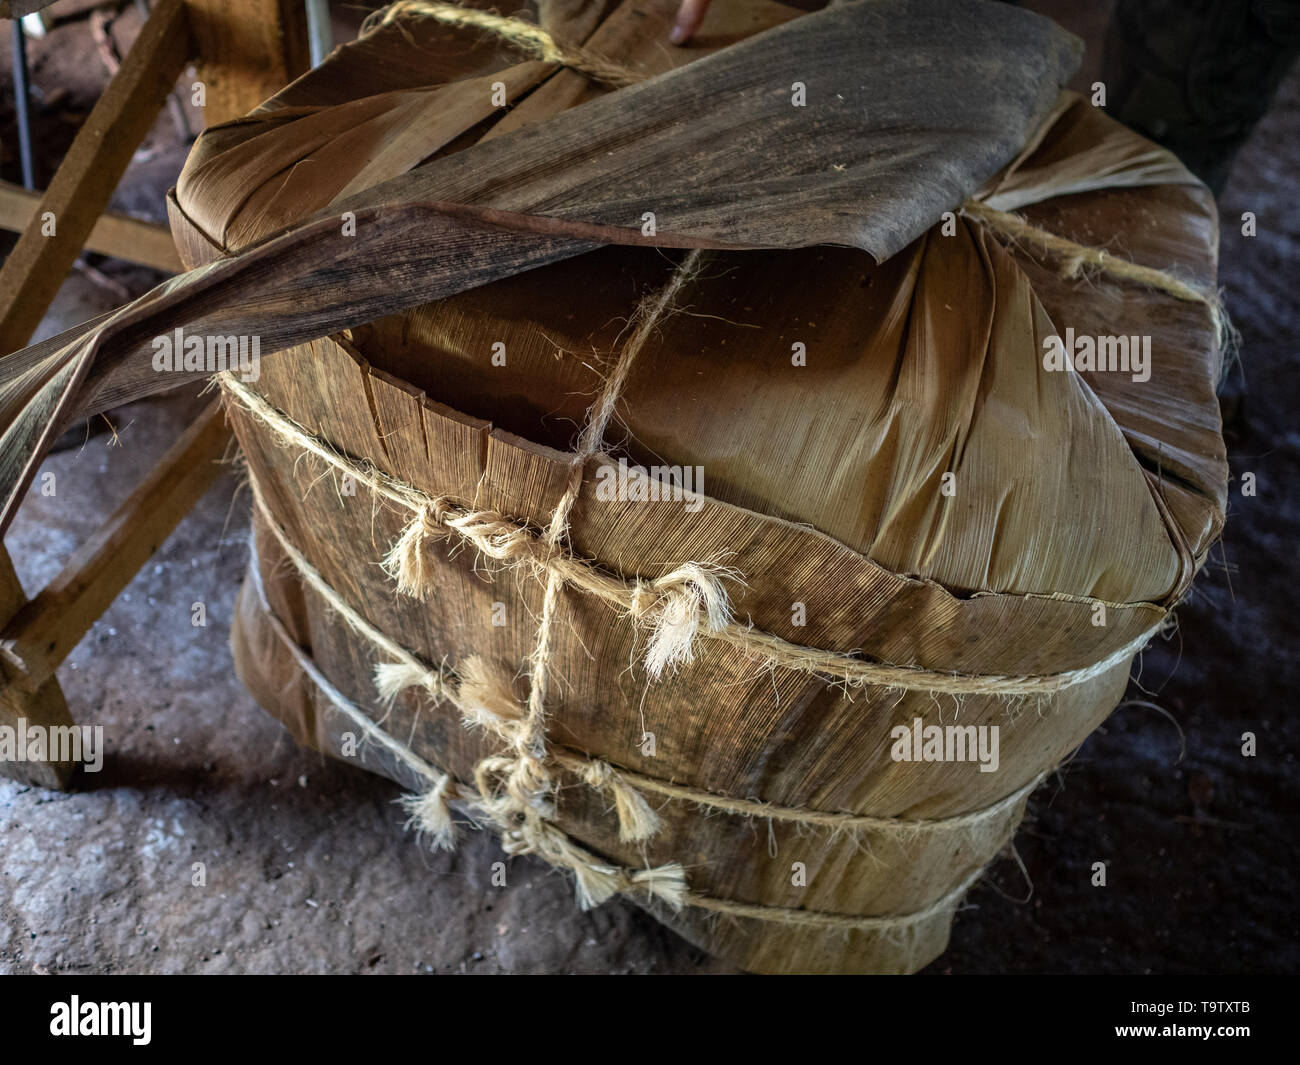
[
  {"x": 831, "y": 921},
  {"x": 528, "y": 37},
  {"x": 1077, "y": 256},
  {"x": 664, "y": 884},
  {"x": 513, "y": 543}
]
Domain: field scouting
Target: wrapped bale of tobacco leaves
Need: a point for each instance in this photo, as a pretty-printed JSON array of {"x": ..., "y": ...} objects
[{"x": 779, "y": 498}]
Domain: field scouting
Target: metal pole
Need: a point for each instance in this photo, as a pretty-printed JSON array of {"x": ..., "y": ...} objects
[
  {"x": 22, "y": 105},
  {"x": 320, "y": 33}
]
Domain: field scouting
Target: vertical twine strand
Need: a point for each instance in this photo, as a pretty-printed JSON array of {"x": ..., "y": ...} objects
[{"x": 528, "y": 783}]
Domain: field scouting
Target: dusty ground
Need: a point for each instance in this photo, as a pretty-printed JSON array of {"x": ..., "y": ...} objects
[{"x": 308, "y": 868}]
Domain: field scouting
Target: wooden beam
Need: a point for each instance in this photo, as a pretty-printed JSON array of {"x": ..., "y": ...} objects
[
  {"x": 90, "y": 172},
  {"x": 42, "y": 633},
  {"x": 118, "y": 235},
  {"x": 45, "y": 706},
  {"x": 248, "y": 50}
]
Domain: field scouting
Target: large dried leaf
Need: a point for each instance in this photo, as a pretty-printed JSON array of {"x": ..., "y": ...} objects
[{"x": 912, "y": 105}]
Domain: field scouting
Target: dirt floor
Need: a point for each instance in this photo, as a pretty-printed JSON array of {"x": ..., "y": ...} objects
[{"x": 308, "y": 868}]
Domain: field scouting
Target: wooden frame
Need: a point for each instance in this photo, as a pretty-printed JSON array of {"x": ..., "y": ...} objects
[
  {"x": 90, "y": 171},
  {"x": 244, "y": 50},
  {"x": 118, "y": 235}
]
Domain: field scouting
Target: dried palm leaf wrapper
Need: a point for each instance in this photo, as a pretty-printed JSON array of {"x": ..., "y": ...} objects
[{"x": 904, "y": 520}]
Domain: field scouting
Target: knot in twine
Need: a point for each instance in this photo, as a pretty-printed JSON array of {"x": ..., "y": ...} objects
[
  {"x": 497, "y": 537},
  {"x": 486, "y": 701},
  {"x": 405, "y": 561},
  {"x": 393, "y": 678},
  {"x": 637, "y": 821},
  {"x": 528, "y": 830},
  {"x": 491, "y": 533},
  {"x": 677, "y": 606}
]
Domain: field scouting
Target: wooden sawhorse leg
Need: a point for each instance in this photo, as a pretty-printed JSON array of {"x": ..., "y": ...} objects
[
  {"x": 37, "y": 635},
  {"x": 18, "y": 706}
]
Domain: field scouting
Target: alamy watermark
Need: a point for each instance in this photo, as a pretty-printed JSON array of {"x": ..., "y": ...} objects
[
  {"x": 636, "y": 484},
  {"x": 179, "y": 353},
  {"x": 77, "y": 1018},
  {"x": 1099, "y": 354},
  {"x": 920, "y": 742},
  {"x": 53, "y": 743}
]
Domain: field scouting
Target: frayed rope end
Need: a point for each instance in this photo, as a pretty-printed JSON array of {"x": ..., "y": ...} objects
[
  {"x": 430, "y": 815},
  {"x": 393, "y": 678},
  {"x": 486, "y": 700},
  {"x": 680, "y": 603},
  {"x": 637, "y": 821},
  {"x": 597, "y": 884},
  {"x": 405, "y": 559},
  {"x": 666, "y": 883}
]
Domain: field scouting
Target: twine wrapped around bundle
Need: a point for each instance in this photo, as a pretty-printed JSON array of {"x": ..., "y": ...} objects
[
  {"x": 521, "y": 804},
  {"x": 485, "y": 700},
  {"x": 523, "y": 831},
  {"x": 670, "y": 607},
  {"x": 765, "y": 647},
  {"x": 518, "y": 789}
]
